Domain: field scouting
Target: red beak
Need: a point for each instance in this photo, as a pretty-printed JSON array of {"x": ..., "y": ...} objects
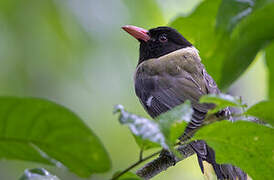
[{"x": 138, "y": 33}]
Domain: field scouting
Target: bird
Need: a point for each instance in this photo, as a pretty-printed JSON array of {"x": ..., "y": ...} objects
[{"x": 168, "y": 73}]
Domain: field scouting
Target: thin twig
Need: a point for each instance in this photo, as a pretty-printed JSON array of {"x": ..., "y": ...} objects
[{"x": 134, "y": 165}]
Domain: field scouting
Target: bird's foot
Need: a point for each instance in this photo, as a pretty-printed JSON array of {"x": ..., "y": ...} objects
[{"x": 169, "y": 156}]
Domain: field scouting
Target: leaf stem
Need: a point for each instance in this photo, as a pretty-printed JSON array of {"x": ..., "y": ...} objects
[
  {"x": 141, "y": 154},
  {"x": 135, "y": 164}
]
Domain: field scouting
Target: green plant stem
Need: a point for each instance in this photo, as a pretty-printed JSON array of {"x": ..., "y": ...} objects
[
  {"x": 134, "y": 165},
  {"x": 141, "y": 154}
]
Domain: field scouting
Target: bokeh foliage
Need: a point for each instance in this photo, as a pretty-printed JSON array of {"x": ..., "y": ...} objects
[{"x": 39, "y": 41}]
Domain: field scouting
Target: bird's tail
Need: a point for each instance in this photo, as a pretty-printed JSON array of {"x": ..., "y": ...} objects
[
  {"x": 205, "y": 154},
  {"x": 206, "y": 159}
]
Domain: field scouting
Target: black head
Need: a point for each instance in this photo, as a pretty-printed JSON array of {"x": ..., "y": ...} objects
[{"x": 157, "y": 41}]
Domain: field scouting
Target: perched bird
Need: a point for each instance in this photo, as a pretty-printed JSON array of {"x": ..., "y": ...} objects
[{"x": 168, "y": 73}]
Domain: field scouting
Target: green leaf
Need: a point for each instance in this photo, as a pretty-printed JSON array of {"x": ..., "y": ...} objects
[
  {"x": 141, "y": 127},
  {"x": 230, "y": 13},
  {"x": 167, "y": 128},
  {"x": 239, "y": 42},
  {"x": 37, "y": 130},
  {"x": 38, "y": 174},
  {"x": 269, "y": 57},
  {"x": 128, "y": 176},
  {"x": 173, "y": 122},
  {"x": 247, "y": 145},
  {"x": 263, "y": 110},
  {"x": 245, "y": 43},
  {"x": 221, "y": 101}
]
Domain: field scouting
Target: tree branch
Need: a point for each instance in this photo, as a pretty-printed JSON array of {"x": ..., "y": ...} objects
[{"x": 164, "y": 161}]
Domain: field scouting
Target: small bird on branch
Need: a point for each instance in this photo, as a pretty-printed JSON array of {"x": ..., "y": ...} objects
[{"x": 168, "y": 73}]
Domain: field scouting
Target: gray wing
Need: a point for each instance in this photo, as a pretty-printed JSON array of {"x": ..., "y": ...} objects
[{"x": 210, "y": 83}]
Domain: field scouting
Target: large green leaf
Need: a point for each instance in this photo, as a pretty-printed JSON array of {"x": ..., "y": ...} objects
[
  {"x": 38, "y": 174},
  {"x": 263, "y": 110},
  {"x": 230, "y": 13},
  {"x": 237, "y": 50},
  {"x": 245, "y": 144},
  {"x": 245, "y": 42},
  {"x": 269, "y": 56},
  {"x": 41, "y": 131}
]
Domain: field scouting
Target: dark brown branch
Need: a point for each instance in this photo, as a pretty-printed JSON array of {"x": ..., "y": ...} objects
[
  {"x": 164, "y": 161},
  {"x": 134, "y": 165}
]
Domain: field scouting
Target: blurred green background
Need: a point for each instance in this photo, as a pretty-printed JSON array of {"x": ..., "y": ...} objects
[{"x": 75, "y": 53}]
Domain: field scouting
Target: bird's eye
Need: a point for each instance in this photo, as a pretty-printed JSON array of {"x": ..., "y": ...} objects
[{"x": 163, "y": 38}]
